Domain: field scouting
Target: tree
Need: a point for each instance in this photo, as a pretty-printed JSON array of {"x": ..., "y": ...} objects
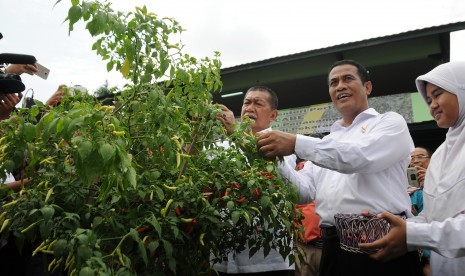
[
  {"x": 103, "y": 90},
  {"x": 115, "y": 190}
]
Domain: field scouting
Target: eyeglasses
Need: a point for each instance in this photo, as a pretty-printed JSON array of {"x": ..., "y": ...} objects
[{"x": 419, "y": 157}]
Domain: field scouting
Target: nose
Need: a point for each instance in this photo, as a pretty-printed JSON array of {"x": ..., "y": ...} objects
[
  {"x": 433, "y": 105},
  {"x": 340, "y": 86},
  {"x": 249, "y": 107}
]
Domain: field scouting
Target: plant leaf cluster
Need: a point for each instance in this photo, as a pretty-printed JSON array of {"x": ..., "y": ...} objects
[{"x": 145, "y": 185}]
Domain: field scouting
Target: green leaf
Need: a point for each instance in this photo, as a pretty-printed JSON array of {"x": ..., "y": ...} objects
[
  {"x": 169, "y": 255},
  {"x": 74, "y": 14},
  {"x": 230, "y": 205},
  {"x": 253, "y": 250},
  {"x": 235, "y": 216},
  {"x": 60, "y": 247},
  {"x": 84, "y": 149},
  {"x": 131, "y": 176},
  {"x": 86, "y": 271},
  {"x": 45, "y": 227},
  {"x": 153, "y": 245},
  {"x": 142, "y": 251},
  {"x": 47, "y": 212},
  {"x": 107, "y": 152},
  {"x": 110, "y": 65},
  {"x": 29, "y": 132},
  {"x": 160, "y": 193},
  {"x": 154, "y": 222},
  {"x": 265, "y": 201},
  {"x": 163, "y": 66},
  {"x": 266, "y": 249},
  {"x": 84, "y": 253}
]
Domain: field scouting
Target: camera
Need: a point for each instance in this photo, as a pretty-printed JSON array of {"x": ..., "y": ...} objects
[{"x": 11, "y": 83}]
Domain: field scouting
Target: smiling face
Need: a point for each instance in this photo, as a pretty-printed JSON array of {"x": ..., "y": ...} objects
[
  {"x": 257, "y": 105},
  {"x": 348, "y": 93},
  {"x": 443, "y": 105}
]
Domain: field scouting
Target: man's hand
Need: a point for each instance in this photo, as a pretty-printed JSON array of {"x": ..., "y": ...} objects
[
  {"x": 394, "y": 244},
  {"x": 21, "y": 68},
  {"x": 276, "y": 143},
  {"x": 227, "y": 119},
  {"x": 8, "y": 103},
  {"x": 421, "y": 175},
  {"x": 57, "y": 96}
]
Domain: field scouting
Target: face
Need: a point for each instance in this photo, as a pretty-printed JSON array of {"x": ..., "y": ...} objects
[
  {"x": 420, "y": 158},
  {"x": 257, "y": 105},
  {"x": 348, "y": 94},
  {"x": 443, "y": 105}
]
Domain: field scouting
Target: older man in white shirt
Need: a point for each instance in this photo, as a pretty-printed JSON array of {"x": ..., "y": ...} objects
[{"x": 260, "y": 104}]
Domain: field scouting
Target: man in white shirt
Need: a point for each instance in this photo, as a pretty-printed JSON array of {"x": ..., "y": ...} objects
[
  {"x": 261, "y": 105},
  {"x": 359, "y": 166}
]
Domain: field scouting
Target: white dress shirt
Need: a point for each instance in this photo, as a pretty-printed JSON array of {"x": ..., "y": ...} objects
[{"x": 355, "y": 168}]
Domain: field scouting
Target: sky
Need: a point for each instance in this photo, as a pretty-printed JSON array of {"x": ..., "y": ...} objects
[{"x": 243, "y": 31}]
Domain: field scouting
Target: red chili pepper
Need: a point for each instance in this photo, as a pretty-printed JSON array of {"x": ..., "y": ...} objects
[
  {"x": 235, "y": 185},
  {"x": 226, "y": 193},
  {"x": 256, "y": 192},
  {"x": 177, "y": 210},
  {"x": 190, "y": 227},
  {"x": 141, "y": 230},
  {"x": 242, "y": 199}
]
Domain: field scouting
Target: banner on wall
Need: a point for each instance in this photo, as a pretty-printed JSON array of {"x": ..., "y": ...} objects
[{"x": 319, "y": 118}]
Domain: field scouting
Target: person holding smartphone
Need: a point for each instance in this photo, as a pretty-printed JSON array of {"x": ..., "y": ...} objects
[
  {"x": 419, "y": 163},
  {"x": 420, "y": 158}
]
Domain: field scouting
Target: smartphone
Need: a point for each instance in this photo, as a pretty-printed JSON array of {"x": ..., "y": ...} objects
[
  {"x": 412, "y": 177},
  {"x": 42, "y": 71}
]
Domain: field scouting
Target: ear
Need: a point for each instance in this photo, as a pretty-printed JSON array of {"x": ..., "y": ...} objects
[
  {"x": 368, "y": 87},
  {"x": 273, "y": 115}
]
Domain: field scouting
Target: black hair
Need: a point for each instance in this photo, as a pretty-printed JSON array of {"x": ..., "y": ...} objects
[
  {"x": 429, "y": 152},
  {"x": 363, "y": 73},
  {"x": 273, "y": 96}
]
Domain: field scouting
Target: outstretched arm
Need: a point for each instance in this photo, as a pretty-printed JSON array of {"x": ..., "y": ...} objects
[{"x": 21, "y": 68}]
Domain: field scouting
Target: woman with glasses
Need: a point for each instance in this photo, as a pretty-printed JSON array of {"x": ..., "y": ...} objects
[{"x": 441, "y": 225}]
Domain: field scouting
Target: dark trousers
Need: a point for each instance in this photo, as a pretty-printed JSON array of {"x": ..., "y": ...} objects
[{"x": 336, "y": 261}]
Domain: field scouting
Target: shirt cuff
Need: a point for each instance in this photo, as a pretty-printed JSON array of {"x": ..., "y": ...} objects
[
  {"x": 418, "y": 235},
  {"x": 305, "y": 146}
]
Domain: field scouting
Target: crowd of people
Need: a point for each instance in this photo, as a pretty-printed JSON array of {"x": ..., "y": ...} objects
[{"x": 359, "y": 167}]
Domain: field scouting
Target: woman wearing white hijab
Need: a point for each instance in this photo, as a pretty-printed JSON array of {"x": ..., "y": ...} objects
[{"x": 441, "y": 225}]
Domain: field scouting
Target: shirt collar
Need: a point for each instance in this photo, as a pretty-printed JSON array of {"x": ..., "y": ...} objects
[{"x": 370, "y": 112}]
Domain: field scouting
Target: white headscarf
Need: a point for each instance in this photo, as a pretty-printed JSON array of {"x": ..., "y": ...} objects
[{"x": 444, "y": 189}]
